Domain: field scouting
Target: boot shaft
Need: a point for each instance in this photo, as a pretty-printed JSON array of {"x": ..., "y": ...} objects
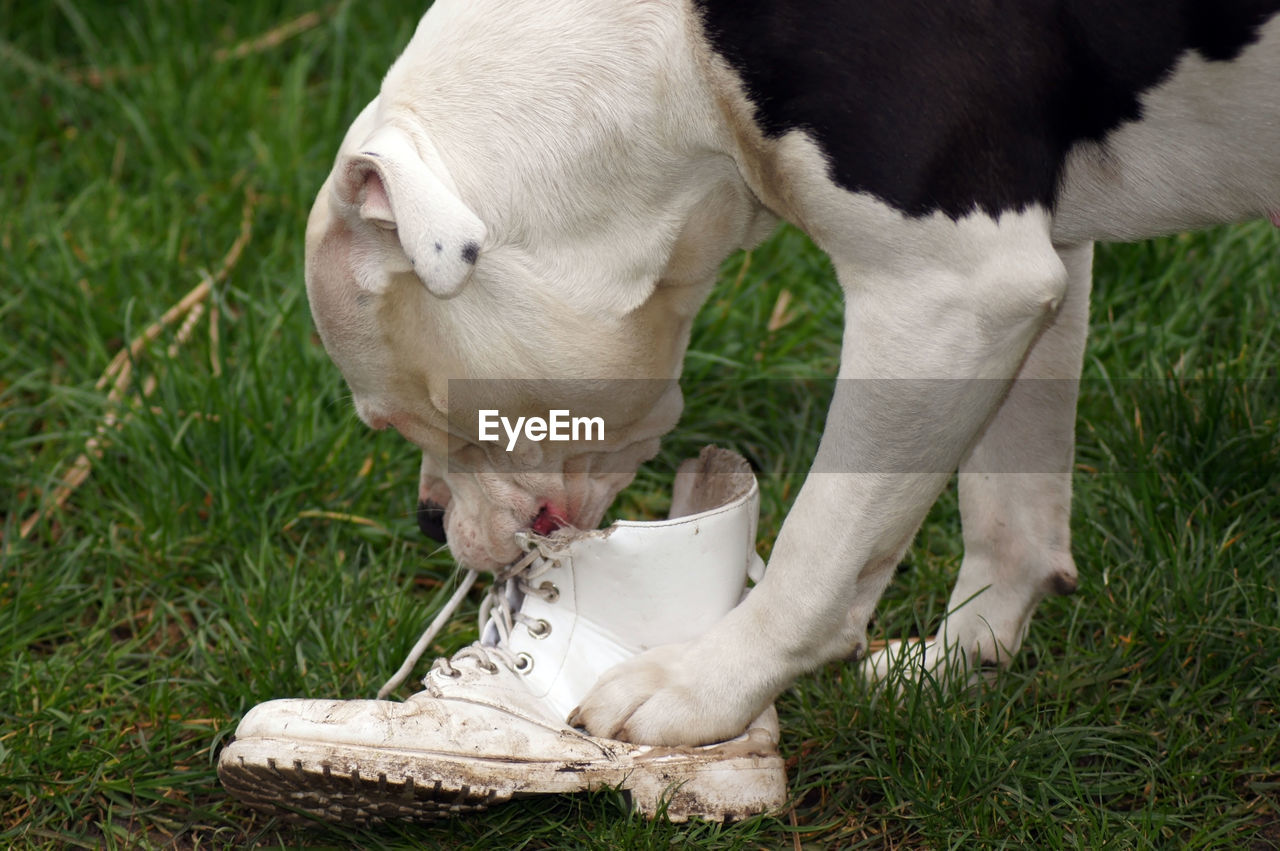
[{"x": 610, "y": 594}]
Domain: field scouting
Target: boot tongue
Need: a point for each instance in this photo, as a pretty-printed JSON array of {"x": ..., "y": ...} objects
[
  {"x": 512, "y": 595},
  {"x": 716, "y": 477}
]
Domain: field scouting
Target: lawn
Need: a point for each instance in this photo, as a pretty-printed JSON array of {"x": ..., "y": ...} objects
[{"x": 200, "y": 523}]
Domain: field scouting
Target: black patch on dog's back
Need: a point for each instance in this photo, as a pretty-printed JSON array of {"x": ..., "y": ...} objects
[{"x": 957, "y": 105}]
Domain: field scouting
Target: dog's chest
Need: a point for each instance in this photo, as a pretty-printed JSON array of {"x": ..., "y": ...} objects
[{"x": 970, "y": 106}]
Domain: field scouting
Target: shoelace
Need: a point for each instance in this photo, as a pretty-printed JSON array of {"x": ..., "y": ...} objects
[{"x": 499, "y": 613}]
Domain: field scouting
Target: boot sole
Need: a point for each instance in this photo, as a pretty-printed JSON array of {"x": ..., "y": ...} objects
[{"x": 361, "y": 785}]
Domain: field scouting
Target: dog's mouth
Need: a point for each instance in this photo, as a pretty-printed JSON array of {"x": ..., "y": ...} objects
[{"x": 547, "y": 520}]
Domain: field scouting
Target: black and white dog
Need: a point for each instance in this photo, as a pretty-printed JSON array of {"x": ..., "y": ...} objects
[{"x": 546, "y": 190}]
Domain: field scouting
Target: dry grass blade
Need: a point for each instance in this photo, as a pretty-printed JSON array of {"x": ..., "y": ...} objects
[
  {"x": 273, "y": 37},
  {"x": 875, "y": 645},
  {"x": 215, "y": 341},
  {"x": 780, "y": 316},
  {"x": 97, "y": 78},
  {"x": 119, "y": 372},
  {"x": 337, "y": 516}
]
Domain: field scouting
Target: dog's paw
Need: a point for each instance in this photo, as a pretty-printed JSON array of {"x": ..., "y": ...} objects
[
  {"x": 663, "y": 697},
  {"x": 911, "y": 661},
  {"x": 898, "y": 661}
]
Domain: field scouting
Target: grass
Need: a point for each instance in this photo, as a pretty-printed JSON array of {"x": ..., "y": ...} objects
[{"x": 243, "y": 537}]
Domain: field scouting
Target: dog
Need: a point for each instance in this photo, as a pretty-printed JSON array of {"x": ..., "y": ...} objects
[{"x": 545, "y": 191}]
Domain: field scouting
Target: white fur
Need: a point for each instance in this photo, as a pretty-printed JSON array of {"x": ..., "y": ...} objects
[
  {"x": 1207, "y": 150},
  {"x": 612, "y": 161}
]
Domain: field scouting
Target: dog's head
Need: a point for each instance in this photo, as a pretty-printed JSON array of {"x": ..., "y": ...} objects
[{"x": 526, "y": 219}]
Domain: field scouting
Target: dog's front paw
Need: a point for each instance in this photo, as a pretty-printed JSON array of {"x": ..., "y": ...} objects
[{"x": 664, "y": 696}]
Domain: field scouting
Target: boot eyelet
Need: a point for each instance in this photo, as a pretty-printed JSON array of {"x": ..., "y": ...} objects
[
  {"x": 540, "y": 629},
  {"x": 488, "y": 667},
  {"x": 524, "y": 663},
  {"x": 550, "y": 592}
]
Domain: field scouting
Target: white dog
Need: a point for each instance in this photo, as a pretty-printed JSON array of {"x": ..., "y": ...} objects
[{"x": 546, "y": 190}]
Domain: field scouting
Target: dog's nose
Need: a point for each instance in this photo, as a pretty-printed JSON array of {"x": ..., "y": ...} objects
[{"x": 431, "y": 520}]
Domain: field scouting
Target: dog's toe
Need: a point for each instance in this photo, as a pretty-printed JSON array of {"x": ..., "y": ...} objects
[{"x": 651, "y": 700}]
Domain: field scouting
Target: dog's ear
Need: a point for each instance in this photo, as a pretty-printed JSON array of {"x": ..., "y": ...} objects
[{"x": 387, "y": 184}]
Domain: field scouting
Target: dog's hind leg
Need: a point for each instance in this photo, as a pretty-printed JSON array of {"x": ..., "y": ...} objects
[{"x": 1015, "y": 502}]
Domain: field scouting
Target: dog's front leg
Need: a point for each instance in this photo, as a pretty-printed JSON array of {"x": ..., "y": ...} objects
[{"x": 930, "y": 345}]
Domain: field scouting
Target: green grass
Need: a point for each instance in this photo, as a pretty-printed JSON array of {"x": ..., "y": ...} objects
[{"x": 214, "y": 558}]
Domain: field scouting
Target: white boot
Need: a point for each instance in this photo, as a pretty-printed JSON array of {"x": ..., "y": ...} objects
[{"x": 490, "y": 723}]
